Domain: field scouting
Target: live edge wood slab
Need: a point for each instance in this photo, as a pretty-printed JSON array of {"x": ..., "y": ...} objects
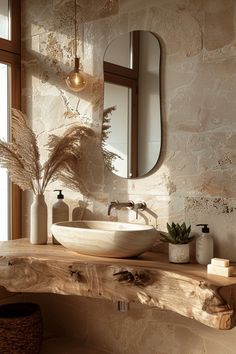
[{"x": 149, "y": 279}]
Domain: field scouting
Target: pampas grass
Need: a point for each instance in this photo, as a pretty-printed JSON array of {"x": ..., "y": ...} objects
[
  {"x": 64, "y": 158},
  {"x": 22, "y": 159},
  {"x": 108, "y": 156}
]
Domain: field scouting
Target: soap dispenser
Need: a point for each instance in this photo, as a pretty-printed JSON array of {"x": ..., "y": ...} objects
[
  {"x": 60, "y": 211},
  {"x": 204, "y": 246}
]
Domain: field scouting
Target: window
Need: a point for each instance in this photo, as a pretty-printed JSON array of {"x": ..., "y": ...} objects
[
  {"x": 4, "y": 114},
  {"x": 5, "y": 31},
  {"x": 10, "y": 216}
]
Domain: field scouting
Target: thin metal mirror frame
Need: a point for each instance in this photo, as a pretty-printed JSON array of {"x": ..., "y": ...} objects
[{"x": 160, "y": 158}]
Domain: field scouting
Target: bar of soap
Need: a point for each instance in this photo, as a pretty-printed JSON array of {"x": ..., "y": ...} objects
[
  {"x": 220, "y": 262},
  {"x": 218, "y": 270}
]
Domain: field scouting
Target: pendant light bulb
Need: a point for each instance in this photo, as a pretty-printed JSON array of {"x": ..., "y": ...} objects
[{"x": 75, "y": 80}]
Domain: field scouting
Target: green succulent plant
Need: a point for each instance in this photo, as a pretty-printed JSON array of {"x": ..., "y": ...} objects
[{"x": 177, "y": 234}]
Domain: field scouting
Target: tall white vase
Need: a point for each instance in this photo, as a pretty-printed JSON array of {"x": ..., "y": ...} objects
[{"x": 38, "y": 221}]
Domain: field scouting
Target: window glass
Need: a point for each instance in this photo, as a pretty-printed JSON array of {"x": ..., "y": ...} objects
[
  {"x": 118, "y": 138},
  {"x": 4, "y": 134},
  {"x": 119, "y": 52},
  {"x": 4, "y": 20}
]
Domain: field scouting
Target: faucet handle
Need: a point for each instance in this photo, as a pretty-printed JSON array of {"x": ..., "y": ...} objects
[
  {"x": 131, "y": 204},
  {"x": 141, "y": 205}
]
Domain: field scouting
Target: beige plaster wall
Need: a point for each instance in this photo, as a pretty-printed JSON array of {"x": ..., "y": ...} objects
[
  {"x": 195, "y": 179},
  {"x": 141, "y": 330}
]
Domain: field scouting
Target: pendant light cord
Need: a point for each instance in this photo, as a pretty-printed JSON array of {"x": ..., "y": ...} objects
[
  {"x": 75, "y": 80},
  {"x": 75, "y": 30}
]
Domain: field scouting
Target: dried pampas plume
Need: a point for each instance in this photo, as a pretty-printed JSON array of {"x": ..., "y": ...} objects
[
  {"x": 22, "y": 159},
  {"x": 64, "y": 157},
  {"x": 106, "y": 125}
]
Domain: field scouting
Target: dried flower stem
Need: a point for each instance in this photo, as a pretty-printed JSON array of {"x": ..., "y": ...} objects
[{"x": 22, "y": 159}]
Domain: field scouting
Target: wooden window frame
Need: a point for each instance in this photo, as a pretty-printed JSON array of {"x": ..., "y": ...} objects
[
  {"x": 133, "y": 146},
  {"x": 13, "y": 45},
  {"x": 10, "y": 53}
]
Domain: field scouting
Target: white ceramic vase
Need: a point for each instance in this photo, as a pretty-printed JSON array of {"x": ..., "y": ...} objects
[
  {"x": 38, "y": 221},
  {"x": 179, "y": 253}
]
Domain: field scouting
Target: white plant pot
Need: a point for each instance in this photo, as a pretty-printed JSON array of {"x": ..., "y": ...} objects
[{"x": 179, "y": 253}]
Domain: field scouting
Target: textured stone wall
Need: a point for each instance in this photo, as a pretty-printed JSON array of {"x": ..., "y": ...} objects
[{"x": 195, "y": 178}]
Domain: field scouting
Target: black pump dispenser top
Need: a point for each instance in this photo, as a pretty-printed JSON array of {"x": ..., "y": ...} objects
[
  {"x": 205, "y": 229},
  {"x": 60, "y": 195}
]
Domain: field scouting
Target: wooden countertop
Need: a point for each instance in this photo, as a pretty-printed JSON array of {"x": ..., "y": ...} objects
[{"x": 149, "y": 279}]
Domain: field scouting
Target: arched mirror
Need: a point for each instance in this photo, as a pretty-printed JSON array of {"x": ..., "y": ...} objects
[{"x": 132, "y": 86}]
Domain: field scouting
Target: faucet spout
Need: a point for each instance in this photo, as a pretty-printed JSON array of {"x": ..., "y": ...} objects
[
  {"x": 117, "y": 205},
  {"x": 111, "y": 206},
  {"x": 140, "y": 206}
]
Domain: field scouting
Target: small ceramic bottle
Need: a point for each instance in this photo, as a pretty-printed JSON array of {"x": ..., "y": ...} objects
[
  {"x": 60, "y": 211},
  {"x": 204, "y": 246},
  {"x": 81, "y": 212},
  {"x": 39, "y": 221}
]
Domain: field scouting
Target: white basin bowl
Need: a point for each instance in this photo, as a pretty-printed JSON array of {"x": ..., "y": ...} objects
[{"x": 105, "y": 238}]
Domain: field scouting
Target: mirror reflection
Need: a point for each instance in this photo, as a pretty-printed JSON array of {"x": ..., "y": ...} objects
[{"x": 132, "y": 85}]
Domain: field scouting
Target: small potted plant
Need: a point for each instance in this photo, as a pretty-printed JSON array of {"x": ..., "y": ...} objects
[{"x": 178, "y": 237}]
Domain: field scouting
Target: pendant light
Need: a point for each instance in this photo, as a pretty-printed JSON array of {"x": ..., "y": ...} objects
[{"x": 75, "y": 79}]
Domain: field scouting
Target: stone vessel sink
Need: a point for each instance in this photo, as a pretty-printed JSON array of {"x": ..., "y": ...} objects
[{"x": 105, "y": 238}]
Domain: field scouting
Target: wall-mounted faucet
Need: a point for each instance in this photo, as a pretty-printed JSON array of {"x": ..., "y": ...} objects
[
  {"x": 117, "y": 205},
  {"x": 130, "y": 204}
]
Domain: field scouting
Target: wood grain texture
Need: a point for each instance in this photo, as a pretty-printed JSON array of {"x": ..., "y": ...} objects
[{"x": 149, "y": 279}]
